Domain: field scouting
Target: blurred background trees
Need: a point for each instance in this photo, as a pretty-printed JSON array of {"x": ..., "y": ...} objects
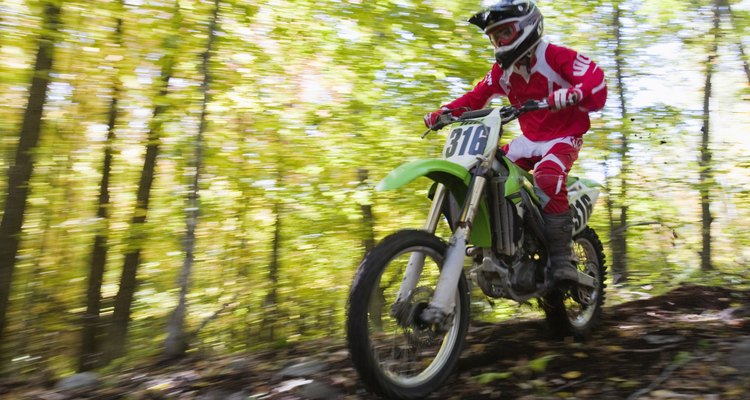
[{"x": 214, "y": 160}]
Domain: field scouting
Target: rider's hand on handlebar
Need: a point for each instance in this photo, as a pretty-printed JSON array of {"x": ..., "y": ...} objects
[
  {"x": 562, "y": 98},
  {"x": 431, "y": 119},
  {"x": 438, "y": 119}
]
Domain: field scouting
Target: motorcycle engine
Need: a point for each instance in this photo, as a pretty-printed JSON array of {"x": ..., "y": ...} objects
[
  {"x": 523, "y": 276},
  {"x": 498, "y": 279}
]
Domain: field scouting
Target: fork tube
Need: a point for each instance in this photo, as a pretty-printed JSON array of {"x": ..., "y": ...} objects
[
  {"x": 443, "y": 301},
  {"x": 416, "y": 259},
  {"x": 437, "y": 207}
]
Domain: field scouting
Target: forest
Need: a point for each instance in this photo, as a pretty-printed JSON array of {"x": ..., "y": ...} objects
[{"x": 187, "y": 177}]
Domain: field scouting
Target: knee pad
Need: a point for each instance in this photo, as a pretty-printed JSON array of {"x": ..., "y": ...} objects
[{"x": 549, "y": 185}]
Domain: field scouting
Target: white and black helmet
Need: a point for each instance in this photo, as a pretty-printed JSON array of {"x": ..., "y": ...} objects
[{"x": 513, "y": 26}]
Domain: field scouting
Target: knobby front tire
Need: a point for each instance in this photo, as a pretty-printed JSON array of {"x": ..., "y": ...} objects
[
  {"x": 403, "y": 358},
  {"x": 577, "y": 311}
]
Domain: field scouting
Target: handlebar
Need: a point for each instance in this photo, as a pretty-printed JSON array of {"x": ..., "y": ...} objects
[{"x": 507, "y": 114}]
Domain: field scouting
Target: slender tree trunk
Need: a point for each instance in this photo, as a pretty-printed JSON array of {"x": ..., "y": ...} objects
[
  {"x": 706, "y": 176},
  {"x": 20, "y": 171},
  {"x": 117, "y": 333},
  {"x": 271, "y": 302},
  {"x": 89, "y": 355},
  {"x": 245, "y": 267},
  {"x": 743, "y": 58},
  {"x": 368, "y": 240},
  {"x": 271, "y": 311},
  {"x": 609, "y": 205},
  {"x": 34, "y": 286},
  {"x": 740, "y": 47},
  {"x": 177, "y": 341},
  {"x": 618, "y": 232}
]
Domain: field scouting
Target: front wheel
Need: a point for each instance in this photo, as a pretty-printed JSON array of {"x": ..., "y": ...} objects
[
  {"x": 394, "y": 352},
  {"x": 576, "y": 310}
]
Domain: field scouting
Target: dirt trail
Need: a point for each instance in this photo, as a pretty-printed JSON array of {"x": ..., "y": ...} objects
[{"x": 691, "y": 343}]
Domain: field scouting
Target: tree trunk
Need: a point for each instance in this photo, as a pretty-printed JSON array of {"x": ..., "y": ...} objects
[
  {"x": 271, "y": 311},
  {"x": 177, "y": 341},
  {"x": 124, "y": 299},
  {"x": 21, "y": 169},
  {"x": 242, "y": 214},
  {"x": 89, "y": 355},
  {"x": 609, "y": 205},
  {"x": 706, "y": 176},
  {"x": 35, "y": 285},
  {"x": 618, "y": 224},
  {"x": 368, "y": 240},
  {"x": 271, "y": 302},
  {"x": 741, "y": 48}
]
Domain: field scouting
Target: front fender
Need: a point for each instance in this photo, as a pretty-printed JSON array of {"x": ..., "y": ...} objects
[{"x": 455, "y": 178}]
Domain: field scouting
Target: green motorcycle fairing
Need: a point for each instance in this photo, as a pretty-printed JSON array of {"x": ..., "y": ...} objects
[
  {"x": 518, "y": 178},
  {"x": 455, "y": 178}
]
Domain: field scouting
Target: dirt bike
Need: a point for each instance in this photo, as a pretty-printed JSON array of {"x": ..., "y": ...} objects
[{"x": 409, "y": 304}]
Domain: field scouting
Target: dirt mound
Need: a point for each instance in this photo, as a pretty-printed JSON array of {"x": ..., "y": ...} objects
[{"x": 686, "y": 298}]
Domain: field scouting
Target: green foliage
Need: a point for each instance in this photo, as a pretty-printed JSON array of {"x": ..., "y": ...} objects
[
  {"x": 488, "y": 377},
  {"x": 540, "y": 364}
]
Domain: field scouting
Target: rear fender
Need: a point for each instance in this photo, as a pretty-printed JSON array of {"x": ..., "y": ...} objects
[{"x": 455, "y": 178}]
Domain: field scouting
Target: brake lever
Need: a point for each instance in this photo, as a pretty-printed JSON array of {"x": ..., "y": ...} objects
[{"x": 442, "y": 121}]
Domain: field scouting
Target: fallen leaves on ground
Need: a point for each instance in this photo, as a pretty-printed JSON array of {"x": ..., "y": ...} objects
[{"x": 691, "y": 343}]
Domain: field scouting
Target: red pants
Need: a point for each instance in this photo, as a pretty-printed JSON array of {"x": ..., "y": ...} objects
[{"x": 551, "y": 161}]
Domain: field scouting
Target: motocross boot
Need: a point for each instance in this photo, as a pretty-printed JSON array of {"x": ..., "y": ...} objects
[{"x": 558, "y": 229}]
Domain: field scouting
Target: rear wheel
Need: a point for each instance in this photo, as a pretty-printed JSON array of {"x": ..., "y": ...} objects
[
  {"x": 395, "y": 353},
  {"x": 574, "y": 310}
]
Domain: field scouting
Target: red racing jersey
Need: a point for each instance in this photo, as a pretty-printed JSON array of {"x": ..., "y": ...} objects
[{"x": 553, "y": 67}]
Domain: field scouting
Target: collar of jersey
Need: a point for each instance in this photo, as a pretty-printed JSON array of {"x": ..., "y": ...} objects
[{"x": 541, "y": 47}]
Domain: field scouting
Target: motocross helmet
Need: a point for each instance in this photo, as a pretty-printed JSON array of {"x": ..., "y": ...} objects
[{"x": 514, "y": 28}]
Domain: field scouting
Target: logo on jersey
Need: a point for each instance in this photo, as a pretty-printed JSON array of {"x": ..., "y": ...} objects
[
  {"x": 581, "y": 65},
  {"x": 488, "y": 78}
]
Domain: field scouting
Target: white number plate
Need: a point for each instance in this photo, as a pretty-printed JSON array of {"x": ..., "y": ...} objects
[{"x": 465, "y": 143}]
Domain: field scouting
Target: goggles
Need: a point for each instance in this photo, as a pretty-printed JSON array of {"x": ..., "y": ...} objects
[{"x": 504, "y": 34}]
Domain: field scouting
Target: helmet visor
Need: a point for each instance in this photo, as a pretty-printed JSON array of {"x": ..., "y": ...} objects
[{"x": 504, "y": 34}]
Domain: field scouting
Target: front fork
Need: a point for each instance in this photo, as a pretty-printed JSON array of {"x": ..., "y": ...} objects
[
  {"x": 416, "y": 259},
  {"x": 443, "y": 300}
]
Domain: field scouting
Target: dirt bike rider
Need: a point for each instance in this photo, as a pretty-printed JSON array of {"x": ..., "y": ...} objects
[{"x": 530, "y": 68}]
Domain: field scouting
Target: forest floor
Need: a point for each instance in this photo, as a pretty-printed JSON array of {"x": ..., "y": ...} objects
[{"x": 690, "y": 343}]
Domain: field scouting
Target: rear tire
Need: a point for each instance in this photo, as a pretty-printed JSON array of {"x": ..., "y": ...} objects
[
  {"x": 401, "y": 357},
  {"x": 576, "y": 311}
]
